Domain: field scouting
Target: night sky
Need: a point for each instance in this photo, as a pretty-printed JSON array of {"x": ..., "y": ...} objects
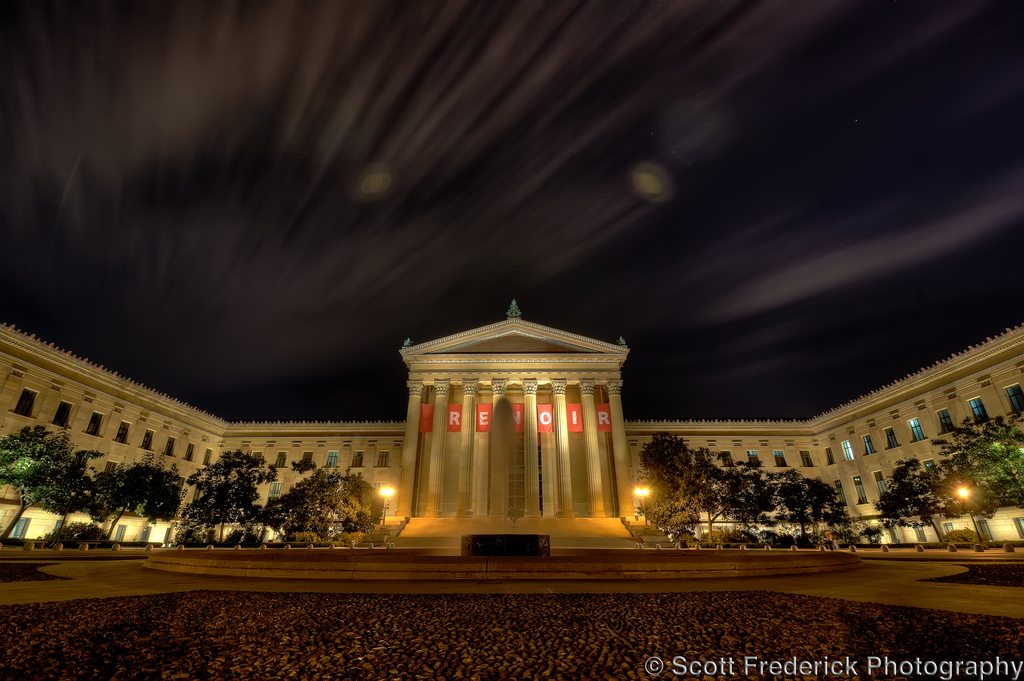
[{"x": 249, "y": 205}]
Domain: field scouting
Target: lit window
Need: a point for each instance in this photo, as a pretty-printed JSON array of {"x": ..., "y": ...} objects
[
  {"x": 829, "y": 459},
  {"x": 869, "y": 446},
  {"x": 780, "y": 458},
  {"x": 929, "y": 464},
  {"x": 60, "y": 417},
  {"x": 847, "y": 450},
  {"x": 945, "y": 422},
  {"x": 890, "y": 439},
  {"x": 1019, "y": 524},
  {"x": 805, "y": 459},
  {"x": 122, "y": 432},
  {"x": 147, "y": 440},
  {"x": 1016, "y": 396},
  {"x": 94, "y": 424},
  {"x": 840, "y": 491},
  {"x": 169, "y": 447},
  {"x": 382, "y": 458},
  {"x": 275, "y": 490},
  {"x": 862, "y": 497},
  {"x": 986, "y": 533},
  {"x": 916, "y": 432},
  {"x": 25, "y": 402},
  {"x": 357, "y": 460},
  {"x": 332, "y": 458},
  {"x": 978, "y": 409},
  {"x": 282, "y": 460},
  {"x": 725, "y": 458},
  {"x": 879, "y": 481},
  {"x": 109, "y": 466}
]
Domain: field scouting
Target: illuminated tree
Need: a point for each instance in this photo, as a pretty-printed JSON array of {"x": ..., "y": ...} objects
[
  {"x": 989, "y": 457},
  {"x": 144, "y": 487},
  {"x": 226, "y": 491},
  {"x": 323, "y": 504}
]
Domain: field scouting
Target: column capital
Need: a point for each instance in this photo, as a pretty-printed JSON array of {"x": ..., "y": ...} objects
[
  {"x": 442, "y": 387},
  {"x": 558, "y": 386},
  {"x": 614, "y": 387},
  {"x": 415, "y": 388},
  {"x": 469, "y": 387},
  {"x": 587, "y": 386},
  {"x": 530, "y": 386},
  {"x": 498, "y": 386}
]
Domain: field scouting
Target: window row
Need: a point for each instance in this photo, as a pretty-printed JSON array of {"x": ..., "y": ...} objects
[{"x": 383, "y": 459}]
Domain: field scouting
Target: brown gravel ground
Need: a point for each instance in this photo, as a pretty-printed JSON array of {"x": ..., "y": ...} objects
[
  {"x": 992, "y": 575},
  {"x": 24, "y": 572},
  {"x": 232, "y": 635}
]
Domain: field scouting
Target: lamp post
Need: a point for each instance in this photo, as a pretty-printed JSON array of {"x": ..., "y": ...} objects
[
  {"x": 386, "y": 492},
  {"x": 641, "y": 493},
  {"x": 964, "y": 493}
]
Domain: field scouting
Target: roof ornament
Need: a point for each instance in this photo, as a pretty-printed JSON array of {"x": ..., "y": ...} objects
[
  {"x": 621, "y": 341},
  {"x": 407, "y": 343},
  {"x": 513, "y": 311}
]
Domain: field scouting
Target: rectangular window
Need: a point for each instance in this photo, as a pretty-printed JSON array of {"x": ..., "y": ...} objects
[
  {"x": 25, "y": 402},
  {"x": 805, "y": 459},
  {"x": 890, "y": 439},
  {"x": 894, "y": 537},
  {"x": 916, "y": 431},
  {"x": 109, "y": 466},
  {"x": 947, "y": 527},
  {"x": 60, "y": 417},
  {"x": 780, "y": 458},
  {"x": 978, "y": 409},
  {"x": 1019, "y": 524},
  {"x": 879, "y": 481},
  {"x": 841, "y": 492},
  {"x": 382, "y": 458},
  {"x": 725, "y": 458},
  {"x": 862, "y": 497},
  {"x": 147, "y": 440},
  {"x": 1016, "y": 396},
  {"x": 332, "y": 458},
  {"x": 20, "y": 528},
  {"x": 207, "y": 456},
  {"x": 169, "y": 447},
  {"x": 282, "y": 460},
  {"x": 275, "y": 490},
  {"x": 928, "y": 464},
  {"x": 119, "y": 535},
  {"x": 869, "y": 446},
  {"x": 945, "y": 422},
  {"x": 986, "y": 533},
  {"x": 307, "y": 456},
  {"x": 190, "y": 451},
  {"x": 829, "y": 459},
  {"x": 847, "y": 450},
  {"x": 94, "y": 424},
  {"x": 357, "y": 460},
  {"x": 122, "y": 433},
  {"x": 919, "y": 532}
]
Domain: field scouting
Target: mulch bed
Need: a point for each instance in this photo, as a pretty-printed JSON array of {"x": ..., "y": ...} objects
[
  {"x": 24, "y": 572},
  {"x": 990, "y": 575},
  {"x": 233, "y": 635}
]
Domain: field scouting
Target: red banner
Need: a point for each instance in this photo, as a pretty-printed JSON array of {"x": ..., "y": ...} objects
[
  {"x": 574, "y": 416},
  {"x": 483, "y": 418},
  {"x": 426, "y": 418},
  {"x": 454, "y": 418},
  {"x": 545, "y": 418},
  {"x": 604, "y": 418},
  {"x": 517, "y": 417}
]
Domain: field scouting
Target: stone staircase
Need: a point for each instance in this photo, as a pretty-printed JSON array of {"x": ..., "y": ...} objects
[{"x": 566, "y": 533}]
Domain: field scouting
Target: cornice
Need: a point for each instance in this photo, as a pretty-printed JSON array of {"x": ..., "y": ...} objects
[{"x": 520, "y": 326}]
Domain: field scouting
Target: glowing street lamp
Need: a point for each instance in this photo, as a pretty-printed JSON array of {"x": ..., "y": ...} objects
[
  {"x": 386, "y": 492},
  {"x": 641, "y": 493},
  {"x": 964, "y": 492}
]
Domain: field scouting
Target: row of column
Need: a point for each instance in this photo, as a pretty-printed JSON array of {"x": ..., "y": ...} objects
[{"x": 471, "y": 460}]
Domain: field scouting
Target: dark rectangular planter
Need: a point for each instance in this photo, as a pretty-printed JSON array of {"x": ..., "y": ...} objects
[{"x": 506, "y": 545}]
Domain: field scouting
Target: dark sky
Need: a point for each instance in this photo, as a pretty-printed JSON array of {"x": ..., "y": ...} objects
[{"x": 249, "y": 205}]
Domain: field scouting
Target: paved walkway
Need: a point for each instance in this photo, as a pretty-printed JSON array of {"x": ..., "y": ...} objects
[{"x": 894, "y": 582}]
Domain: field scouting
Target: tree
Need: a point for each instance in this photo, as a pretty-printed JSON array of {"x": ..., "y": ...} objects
[
  {"x": 912, "y": 495},
  {"x": 323, "y": 504},
  {"x": 807, "y": 501},
  {"x": 990, "y": 456},
  {"x": 227, "y": 491},
  {"x": 46, "y": 471},
  {"x": 144, "y": 487}
]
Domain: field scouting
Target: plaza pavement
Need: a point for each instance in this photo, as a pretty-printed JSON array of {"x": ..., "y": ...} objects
[{"x": 890, "y": 578}]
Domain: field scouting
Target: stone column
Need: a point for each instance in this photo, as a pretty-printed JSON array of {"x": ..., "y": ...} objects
[
  {"x": 465, "y": 508},
  {"x": 436, "y": 467},
  {"x": 565, "y": 509},
  {"x": 531, "y": 473},
  {"x": 620, "y": 450},
  {"x": 407, "y": 475},
  {"x": 596, "y": 493},
  {"x": 498, "y": 462}
]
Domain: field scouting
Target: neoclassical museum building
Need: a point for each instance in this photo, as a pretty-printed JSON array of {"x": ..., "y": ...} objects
[{"x": 510, "y": 419}]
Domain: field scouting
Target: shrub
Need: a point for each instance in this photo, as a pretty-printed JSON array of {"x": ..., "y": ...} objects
[
  {"x": 872, "y": 534},
  {"x": 190, "y": 532},
  {"x": 686, "y": 539},
  {"x": 305, "y": 537},
  {"x": 78, "y": 531},
  {"x": 782, "y": 539},
  {"x": 963, "y": 536}
]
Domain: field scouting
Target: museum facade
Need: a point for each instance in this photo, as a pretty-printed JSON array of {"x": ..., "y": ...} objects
[{"x": 510, "y": 420}]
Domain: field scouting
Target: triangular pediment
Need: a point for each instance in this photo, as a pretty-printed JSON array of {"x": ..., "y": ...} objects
[{"x": 515, "y": 336}]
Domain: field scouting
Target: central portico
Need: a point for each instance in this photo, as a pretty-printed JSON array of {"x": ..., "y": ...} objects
[{"x": 514, "y": 420}]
